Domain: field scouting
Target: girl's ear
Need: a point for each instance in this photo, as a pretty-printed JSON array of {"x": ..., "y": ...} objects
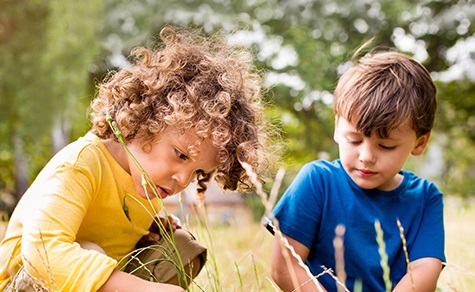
[{"x": 421, "y": 144}]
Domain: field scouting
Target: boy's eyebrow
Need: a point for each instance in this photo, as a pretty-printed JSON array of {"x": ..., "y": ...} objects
[
  {"x": 391, "y": 138},
  {"x": 353, "y": 131},
  {"x": 359, "y": 133}
]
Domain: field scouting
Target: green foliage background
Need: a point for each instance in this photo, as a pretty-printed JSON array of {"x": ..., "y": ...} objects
[{"x": 53, "y": 53}]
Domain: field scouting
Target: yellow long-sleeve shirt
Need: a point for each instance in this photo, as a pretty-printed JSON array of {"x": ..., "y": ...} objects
[{"x": 79, "y": 196}]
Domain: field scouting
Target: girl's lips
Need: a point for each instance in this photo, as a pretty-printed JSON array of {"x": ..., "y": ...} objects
[{"x": 162, "y": 192}]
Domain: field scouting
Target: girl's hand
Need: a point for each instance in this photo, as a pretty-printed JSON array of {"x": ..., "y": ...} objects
[
  {"x": 170, "y": 223},
  {"x": 172, "y": 220}
]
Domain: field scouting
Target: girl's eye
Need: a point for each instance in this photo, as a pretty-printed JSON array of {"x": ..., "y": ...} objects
[{"x": 181, "y": 155}]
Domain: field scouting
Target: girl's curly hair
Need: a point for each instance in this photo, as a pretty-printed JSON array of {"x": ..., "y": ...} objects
[{"x": 196, "y": 83}]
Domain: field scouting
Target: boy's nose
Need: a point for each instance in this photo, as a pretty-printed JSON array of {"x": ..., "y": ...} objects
[{"x": 366, "y": 154}]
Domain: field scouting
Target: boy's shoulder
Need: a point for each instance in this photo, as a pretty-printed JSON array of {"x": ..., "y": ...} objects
[
  {"x": 324, "y": 167},
  {"x": 332, "y": 172},
  {"x": 414, "y": 181},
  {"x": 322, "y": 172}
]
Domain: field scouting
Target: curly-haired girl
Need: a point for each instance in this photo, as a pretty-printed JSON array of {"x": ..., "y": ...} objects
[{"x": 189, "y": 110}]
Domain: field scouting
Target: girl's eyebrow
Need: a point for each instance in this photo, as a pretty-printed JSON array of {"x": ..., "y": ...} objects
[{"x": 185, "y": 149}]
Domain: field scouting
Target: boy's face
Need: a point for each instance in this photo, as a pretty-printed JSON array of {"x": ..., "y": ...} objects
[
  {"x": 168, "y": 162},
  {"x": 374, "y": 162}
]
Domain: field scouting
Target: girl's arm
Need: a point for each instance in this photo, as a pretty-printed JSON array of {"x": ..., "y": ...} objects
[
  {"x": 425, "y": 273},
  {"x": 282, "y": 272},
  {"x": 124, "y": 282}
]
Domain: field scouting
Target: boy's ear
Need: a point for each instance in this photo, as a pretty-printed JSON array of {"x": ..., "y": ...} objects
[{"x": 421, "y": 144}]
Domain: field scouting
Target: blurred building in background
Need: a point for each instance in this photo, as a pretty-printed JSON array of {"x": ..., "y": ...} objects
[{"x": 219, "y": 206}]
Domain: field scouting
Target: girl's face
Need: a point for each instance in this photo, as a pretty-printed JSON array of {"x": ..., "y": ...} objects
[
  {"x": 168, "y": 162},
  {"x": 374, "y": 162}
]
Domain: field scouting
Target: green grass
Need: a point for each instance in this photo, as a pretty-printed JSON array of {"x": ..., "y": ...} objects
[
  {"x": 239, "y": 256},
  {"x": 238, "y": 259},
  {"x": 459, "y": 274},
  {"x": 242, "y": 254}
]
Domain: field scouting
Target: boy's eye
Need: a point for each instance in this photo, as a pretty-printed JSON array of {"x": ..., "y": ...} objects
[
  {"x": 387, "y": 147},
  {"x": 354, "y": 142},
  {"x": 181, "y": 155}
]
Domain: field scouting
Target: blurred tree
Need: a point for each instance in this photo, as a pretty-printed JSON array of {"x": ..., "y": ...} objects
[
  {"x": 302, "y": 46},
  {"x": 46, "y": 50},
  {"x": 457, "y": 123},
  {"x": 73, "y": 45},
  {"x": 322, "y": 36},
  {"x": 22, "y": 24}
]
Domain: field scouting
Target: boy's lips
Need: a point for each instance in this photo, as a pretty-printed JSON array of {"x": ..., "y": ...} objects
[{"x": 365, "y": 172}]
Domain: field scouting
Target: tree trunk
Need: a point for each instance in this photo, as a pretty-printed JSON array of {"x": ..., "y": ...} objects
[
  {"x": 60, "y": 134},
  {"x": 21, "y": 167}
]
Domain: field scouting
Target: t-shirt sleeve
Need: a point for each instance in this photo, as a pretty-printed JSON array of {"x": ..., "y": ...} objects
[
  {"x": 49, "y": 249},
  {"x": 298, "y": 211},
  {"x": 430, "y": 239}
]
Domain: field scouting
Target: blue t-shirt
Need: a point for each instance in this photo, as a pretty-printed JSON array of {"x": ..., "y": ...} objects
[{"x": 323, "y": 195}]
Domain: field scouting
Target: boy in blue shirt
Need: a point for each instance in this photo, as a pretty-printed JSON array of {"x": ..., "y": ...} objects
[{"x": 384, "y": 112}]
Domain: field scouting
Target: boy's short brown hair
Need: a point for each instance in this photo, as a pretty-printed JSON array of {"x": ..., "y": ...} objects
[
  {"x": 195, "y": 83},
  {"x": 384, "y": 90}
]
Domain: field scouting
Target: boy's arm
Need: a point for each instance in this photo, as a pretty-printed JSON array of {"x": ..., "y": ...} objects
[
  {"x": 425, "y": 273},
  {"x": 282, "y": 272}
]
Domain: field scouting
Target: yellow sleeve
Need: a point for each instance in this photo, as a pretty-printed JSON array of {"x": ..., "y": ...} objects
[
  {"x": 48, "y": 247},
  {"x": 77, "y": 196}
]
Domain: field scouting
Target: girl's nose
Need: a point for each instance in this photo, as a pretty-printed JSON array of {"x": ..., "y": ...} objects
[{"x": 183, "y": 177}]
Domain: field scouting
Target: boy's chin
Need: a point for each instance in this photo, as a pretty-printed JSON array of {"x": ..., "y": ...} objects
[{"x": 364, "y": 184}]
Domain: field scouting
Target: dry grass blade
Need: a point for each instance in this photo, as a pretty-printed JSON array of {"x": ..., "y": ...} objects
[
  {"x": 339, "y": 284},
  {"x": 274, "y": 191},
  {"x": 383, "y": 254},
  {"x": 339, "y": 257},
  {"x": 286, "y": 246},
  {"x": 406, "y": 253},
  {"x": 460, "y": 269}
]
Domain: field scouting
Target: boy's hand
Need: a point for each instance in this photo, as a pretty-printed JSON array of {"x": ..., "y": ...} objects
[{"x": 171, "y": 223}]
